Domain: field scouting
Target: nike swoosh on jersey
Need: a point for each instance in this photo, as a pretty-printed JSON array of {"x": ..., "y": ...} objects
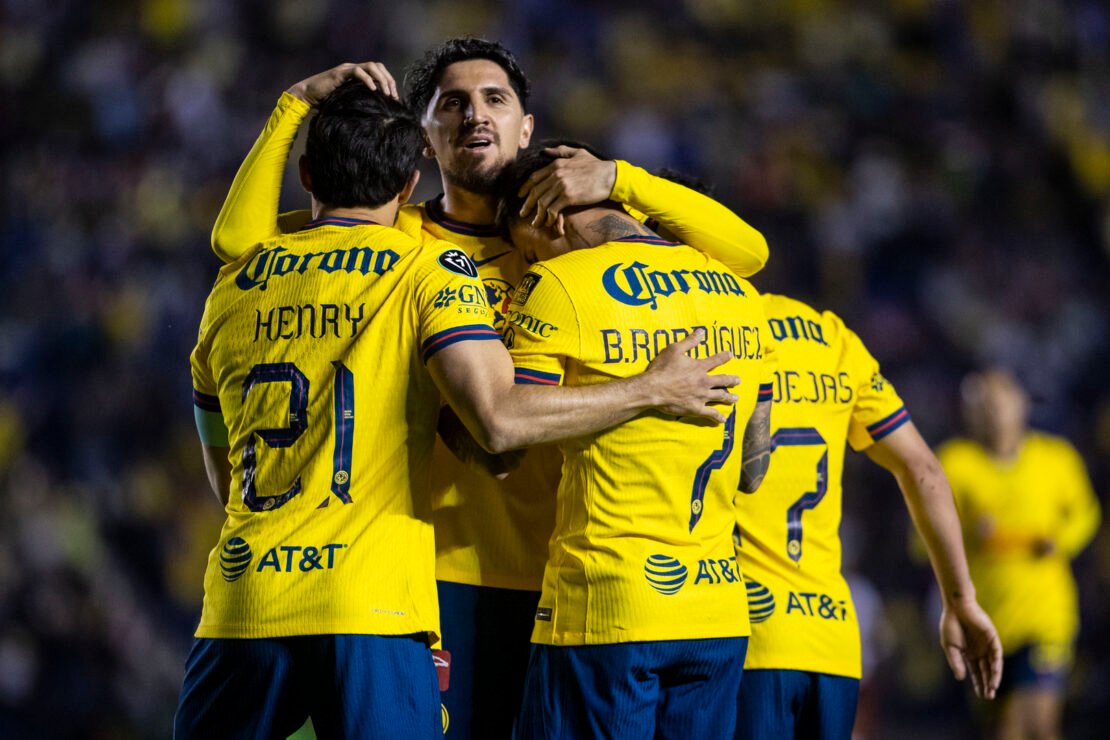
[{"x": 479, "y": 263}]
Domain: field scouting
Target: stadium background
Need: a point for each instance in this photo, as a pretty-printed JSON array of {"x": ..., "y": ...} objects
[{"x": 937, "y": 171}]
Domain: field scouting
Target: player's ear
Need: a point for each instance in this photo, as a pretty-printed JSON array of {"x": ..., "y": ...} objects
[
  {"x": 306, "y": 176},
  {"x": 406, "y": 192},
  {"x": 526, "y": 125},
  {"x": 429, "y": 153}
]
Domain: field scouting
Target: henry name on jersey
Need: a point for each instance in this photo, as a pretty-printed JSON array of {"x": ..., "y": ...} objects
[
  {"x": 792, "y": 386},
  {"x": 329, "y": 319}
]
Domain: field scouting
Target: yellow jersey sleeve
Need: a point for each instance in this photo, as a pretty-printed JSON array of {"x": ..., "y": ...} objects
[
  {"x": 1081, "y": 510},
  {"x": 692, "y": 218},
  {"x": 451, "y": 302},
  {"x": 207, "y": 412},
  {"x": 250, "y": 212},
  {"x": 542, "y": 330},
  {"x": 878, "y": 409}
]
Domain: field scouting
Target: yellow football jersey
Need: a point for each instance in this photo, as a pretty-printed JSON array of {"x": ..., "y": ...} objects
[
  {"x": 488, "y": 532},
  {"x": 827, "y": 391},
  {"x": 1004, "y": 508},
  {"x": 642, "y": 548},
  {"x": 313, "y": 349}
]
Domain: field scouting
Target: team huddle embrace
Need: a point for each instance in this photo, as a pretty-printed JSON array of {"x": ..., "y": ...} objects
[{"x": 534, "y": 458}]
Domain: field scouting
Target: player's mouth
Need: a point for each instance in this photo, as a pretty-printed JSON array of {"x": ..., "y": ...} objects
[{"x": 479, "y": 142}]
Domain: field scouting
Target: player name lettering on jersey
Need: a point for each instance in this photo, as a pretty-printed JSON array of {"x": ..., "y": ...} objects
[
  {"x": 639, "y": 285},
  {"x": 315, "y": 321},
  {"x": 634, "y": 345},
  {"x": 277, "y": 262},
  {"x": 808, "y": 386}
]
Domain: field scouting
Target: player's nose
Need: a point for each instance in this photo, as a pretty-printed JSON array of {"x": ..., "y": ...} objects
[{"x": 477, "y": 112}]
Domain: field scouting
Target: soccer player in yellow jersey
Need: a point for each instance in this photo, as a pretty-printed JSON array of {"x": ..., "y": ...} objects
[
  {"x": 317, "y": 375},
  {"x": 1027, "y": 509},
  {"x": 490, "y": 535},
  {"x": 641, "y": 626},
  {"x": 801, "y": 679}
]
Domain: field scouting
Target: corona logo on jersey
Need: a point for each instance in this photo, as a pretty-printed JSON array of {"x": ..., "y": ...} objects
[
  {"x": 235, "y": 559},
  {"x": 638, "y": 285},
  {"x": 761, "y": 602},
  {"x": 274, "y": 263},
  {"x": 300, "y": 558},
  {"x": 665, "y": 574}
]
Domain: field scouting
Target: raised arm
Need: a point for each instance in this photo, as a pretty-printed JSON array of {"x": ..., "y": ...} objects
[
  {"x": 477, "y": 379},
  {"x": 967, "y": 635},
  {"x": 250, "y": 211},
  {"x": 580, "y": 178}
]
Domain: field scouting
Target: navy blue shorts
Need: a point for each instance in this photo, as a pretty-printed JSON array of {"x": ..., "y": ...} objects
[
  {"x": 1036, "y": 666},
  {"x": 351, "y": 685},
  {"x": 782, "y": 704},
  {"x": 669, "y": 689},
  {"x": 487, "y": 634}
]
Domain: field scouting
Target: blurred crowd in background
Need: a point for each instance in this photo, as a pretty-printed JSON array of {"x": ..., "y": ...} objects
[{"x": 936, "y": 171}]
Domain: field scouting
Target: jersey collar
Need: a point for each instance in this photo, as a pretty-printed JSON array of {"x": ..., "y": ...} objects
[
  {"x": 337, "y": 221},
  {"x": 434, "y": 209}
]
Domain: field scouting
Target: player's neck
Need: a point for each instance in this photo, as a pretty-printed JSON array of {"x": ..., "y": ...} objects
[
  {"x": 384, "y": 214},
  {"x": 1006, "y": 448},
  {"x": 471, "y": 208}
]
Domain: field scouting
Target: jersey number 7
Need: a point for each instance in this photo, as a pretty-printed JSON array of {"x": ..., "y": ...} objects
[{"x": 802, "y": 437}]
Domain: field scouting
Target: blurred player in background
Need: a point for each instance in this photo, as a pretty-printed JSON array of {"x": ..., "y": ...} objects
[
  {"x": 491, "y": 536},
  {"x": 317, "y": 378},
  {"x": 642, "y": 624},
  {"x": 802, "y": 675},
  {"x": 1027, "y": 508}
]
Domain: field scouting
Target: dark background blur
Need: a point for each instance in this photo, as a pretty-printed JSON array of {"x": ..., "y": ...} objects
[{"x": 936, "y": 171}]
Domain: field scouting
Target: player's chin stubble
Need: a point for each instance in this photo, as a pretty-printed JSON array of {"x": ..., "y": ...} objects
[{"x": 482, "y": 181}]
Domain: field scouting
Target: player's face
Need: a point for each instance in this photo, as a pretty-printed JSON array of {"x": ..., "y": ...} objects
[
  {"x": 996, "y": 407},
  {"x": 537, "y": 244},
  {"x": 475, "y": 124}
]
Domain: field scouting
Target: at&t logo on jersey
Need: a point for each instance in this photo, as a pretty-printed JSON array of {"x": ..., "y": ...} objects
[
  {"x": 813, "y": 604},
  {"x": 637, "y": 285},
  {"x": 668, "y": 575},
  {"x": 761, "y": 602},
  {"x": 665, "y": 574},
  {"x": 301, "y": 559},
  {"x": 235, "y": 558}
]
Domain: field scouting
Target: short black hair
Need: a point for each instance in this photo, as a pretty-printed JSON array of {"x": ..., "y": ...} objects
[
  {"x": 423, "y": 76},
  {"x": 362, "y": 147},
  {"x": 527, "y": 161}
]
